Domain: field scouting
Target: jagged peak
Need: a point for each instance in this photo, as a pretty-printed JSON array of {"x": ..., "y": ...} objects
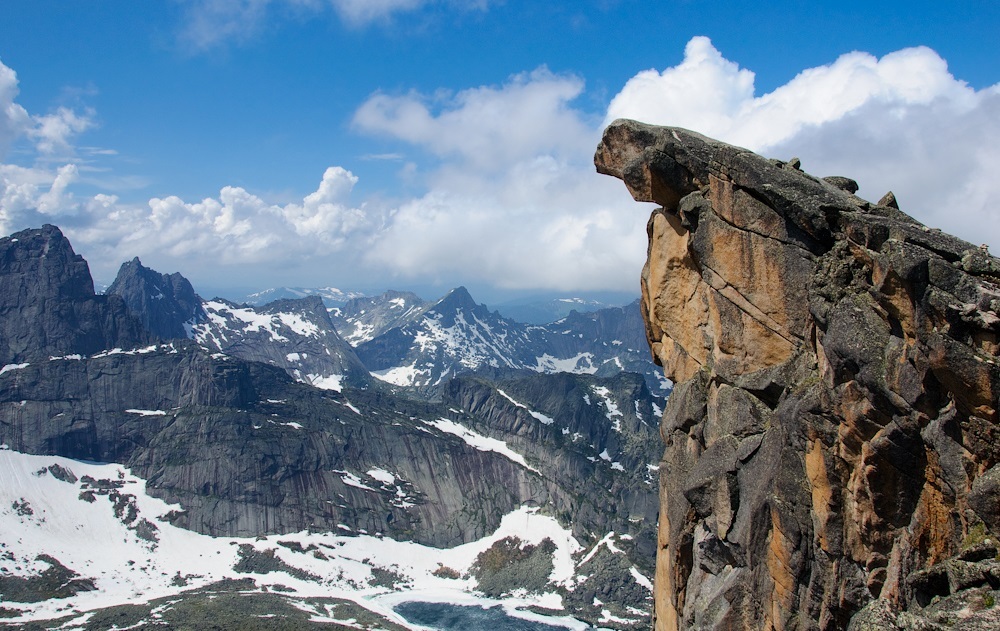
[{"x": 457, "y": 298}]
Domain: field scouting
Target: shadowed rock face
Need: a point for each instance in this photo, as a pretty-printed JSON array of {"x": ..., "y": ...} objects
[
  {"x": 832, "y": 437},
  {"x": 47, "y": 302},
  {"x": 166, "y": 303}
]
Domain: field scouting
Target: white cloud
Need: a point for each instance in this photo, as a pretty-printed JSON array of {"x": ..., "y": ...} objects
[
  {"x": 365, "y": 11},
  {"x": 51, "y": 134},
  {"x": 14, "y": 120},
  {"x": 544, "y": 224},
  {"x": 515, "y": 201},
  {"x": 210, "y": 23},
  {"x": 902, "y": 122},
  {"x": 489, "y": 126},
  {"x": 235, "y": 233}
]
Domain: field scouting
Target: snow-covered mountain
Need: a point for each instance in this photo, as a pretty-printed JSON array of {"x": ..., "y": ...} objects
[
  {"x": 331, "y": 296},
  {"x": 94, "y": 550},
  {"x": 408, "y": 342},
  {"x": 362, "y": 319},
  {"x": 451, "y": 336},
  {"x": 546, "y": 310},
  {"x": 296, "y": 335}
]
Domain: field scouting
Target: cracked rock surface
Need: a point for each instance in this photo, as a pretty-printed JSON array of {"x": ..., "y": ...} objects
[{"x": 831, "y": 445}]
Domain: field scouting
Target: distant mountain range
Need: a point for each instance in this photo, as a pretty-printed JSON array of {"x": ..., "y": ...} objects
[
  {"x": 252, "y": 421},
  {"x": 396, "y": 337},
  {"x": 331, "y": 296},
  {"x": 409, "y": 342},
  {"x": 530, "y": 310}
]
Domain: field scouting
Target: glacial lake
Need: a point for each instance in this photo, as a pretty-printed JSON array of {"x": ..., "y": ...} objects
[{"x": 451, "y": 617}]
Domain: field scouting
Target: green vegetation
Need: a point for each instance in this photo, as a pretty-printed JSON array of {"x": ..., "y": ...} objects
[
  {"x": 976, "y": 535},
  {"x": 511, "y": 564}
]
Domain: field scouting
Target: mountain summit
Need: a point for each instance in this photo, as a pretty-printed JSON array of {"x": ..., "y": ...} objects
[
  {"x": 48, "y": 302},
  {"x": 166, "y": 303}
]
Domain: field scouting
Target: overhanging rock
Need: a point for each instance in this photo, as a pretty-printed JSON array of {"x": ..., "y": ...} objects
[{"x": 833, "y": 435}]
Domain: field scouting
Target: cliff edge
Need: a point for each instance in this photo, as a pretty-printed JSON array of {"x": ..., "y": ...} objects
[{"x": 832, "y": 440}]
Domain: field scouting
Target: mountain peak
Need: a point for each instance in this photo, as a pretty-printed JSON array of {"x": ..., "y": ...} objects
[
  {"x": 50, "y": 288},
  {"x": 457, "y": 298},
  {"x": 163, "y": 302}
]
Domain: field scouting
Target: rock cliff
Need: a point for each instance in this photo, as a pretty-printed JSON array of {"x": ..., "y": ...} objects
[
  {"x": 47, "y": 302},
  {"x": 832, "y": 439}
]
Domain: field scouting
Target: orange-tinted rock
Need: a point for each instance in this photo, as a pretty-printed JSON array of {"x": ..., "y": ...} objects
[{"x": 833, "y": 431}]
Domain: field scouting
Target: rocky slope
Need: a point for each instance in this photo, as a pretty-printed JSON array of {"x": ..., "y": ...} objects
[
  {"x": 48, "y": 306},
  {"x": 366, "y": 317},
  {"x": 294, "y": 334},
  {"x": 832, "y": 440}
]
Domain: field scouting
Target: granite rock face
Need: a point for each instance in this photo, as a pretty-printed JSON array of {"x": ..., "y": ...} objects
[
  {"x": 48, "y": 306},
  {"x": 166, "y": 303},
  {"x": 833, "y": 432}
]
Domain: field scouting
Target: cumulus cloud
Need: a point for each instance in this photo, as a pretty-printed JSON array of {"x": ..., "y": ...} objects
[
  {"x": 902, "y": 122},
  {"x": 514, "y": 200},
  {"x": 544, "y": 224},
  {"x": 488, "y": 126},
  {"x": 236, "y": 230},
  {"x": 14, "y": 119}
]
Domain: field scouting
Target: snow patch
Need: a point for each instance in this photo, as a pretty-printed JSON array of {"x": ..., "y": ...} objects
[
  {"x": 478, "y": 441},
  {"x": 580, "y": 364},
  {"x": 329, "y": 382},
  {"x": 545, "y": 420},
  {"x": 13, "y": 367}
]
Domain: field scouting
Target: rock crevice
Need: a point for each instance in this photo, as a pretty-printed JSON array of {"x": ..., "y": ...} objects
[{"x": 831, "y": 442}]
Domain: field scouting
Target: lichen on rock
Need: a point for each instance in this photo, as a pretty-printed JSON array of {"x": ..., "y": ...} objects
[{"x": 833, "y": 432}]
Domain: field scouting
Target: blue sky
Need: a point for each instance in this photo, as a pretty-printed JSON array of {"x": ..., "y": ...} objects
[{"x": 426, "y": 144}]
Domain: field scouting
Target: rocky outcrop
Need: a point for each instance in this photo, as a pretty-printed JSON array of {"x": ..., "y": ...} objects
[
  {"x": 833, "y": 432},
  {"x": 166, "y": 303},
  {"x": 47, "y": 302}
]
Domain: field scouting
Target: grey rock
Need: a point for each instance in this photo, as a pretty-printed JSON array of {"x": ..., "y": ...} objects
[
  {"x": 48, "y": 306},
  {"x": 835, "y": 414},
  {"x": 166, "y": 304}
]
